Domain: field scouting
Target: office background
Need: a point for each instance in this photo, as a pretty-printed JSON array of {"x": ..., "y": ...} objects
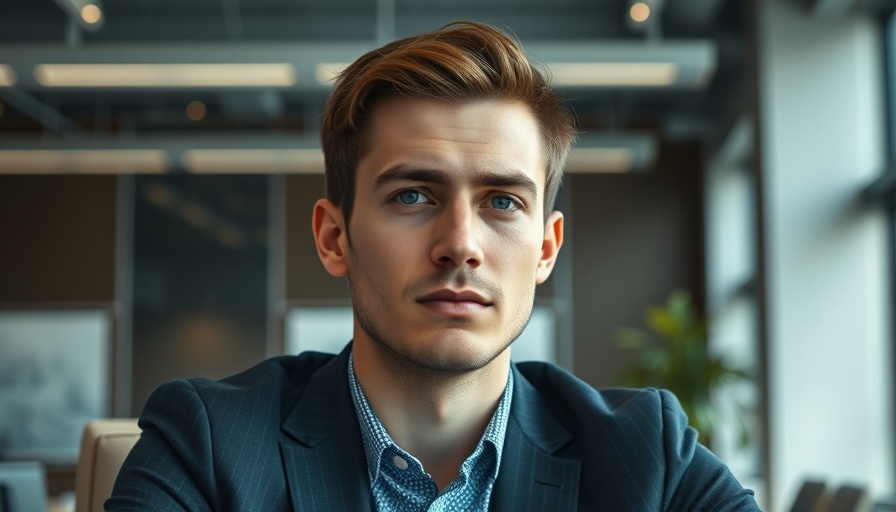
[{"x": 734, "y": 149}]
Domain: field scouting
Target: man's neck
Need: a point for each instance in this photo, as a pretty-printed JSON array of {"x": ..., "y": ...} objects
[{"x": 438, "y": 418}]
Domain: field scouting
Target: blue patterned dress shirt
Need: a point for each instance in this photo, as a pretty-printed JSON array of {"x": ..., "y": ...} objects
[{"x": 399, "y": 482}]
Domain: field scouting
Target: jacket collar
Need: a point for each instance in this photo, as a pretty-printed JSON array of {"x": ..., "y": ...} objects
[
  {"x": 531, "y": 476},
  {"x": 326, "y": 467}
]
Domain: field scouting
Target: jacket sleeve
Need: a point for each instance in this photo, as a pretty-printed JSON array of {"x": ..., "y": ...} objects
[
  {"x": 696, "y": 480},
  {"x": 170, "y": 467}
]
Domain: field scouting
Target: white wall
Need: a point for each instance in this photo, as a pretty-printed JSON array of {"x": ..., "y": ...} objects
[{"x": 821, "y": 114}]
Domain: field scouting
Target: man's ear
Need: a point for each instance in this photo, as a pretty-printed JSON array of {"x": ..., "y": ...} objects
[
  {"x": 330, "y": 236},
  {"x": 550, "y": 247}
]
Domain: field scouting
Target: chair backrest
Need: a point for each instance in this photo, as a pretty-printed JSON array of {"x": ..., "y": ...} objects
[
  {"x": 850, "y": 498},
  {"x": 23, "y": 487},
  {"x": 104, "y": 446},
  {"x": 812, "y": 497}
]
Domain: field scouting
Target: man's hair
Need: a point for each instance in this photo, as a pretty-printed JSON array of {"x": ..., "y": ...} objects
[{"x": 458, "y": 62}]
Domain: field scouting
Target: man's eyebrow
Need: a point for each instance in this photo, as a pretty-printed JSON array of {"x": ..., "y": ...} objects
[
  {"x": 402, "y": 172},
  {"x": 513, "y": 179}
]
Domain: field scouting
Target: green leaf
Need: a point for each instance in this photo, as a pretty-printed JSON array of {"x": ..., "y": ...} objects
[
  {"x": 629, "y": 337},
  {"x": 674, "y": 356},
  {"x": 661, "y": 322}
]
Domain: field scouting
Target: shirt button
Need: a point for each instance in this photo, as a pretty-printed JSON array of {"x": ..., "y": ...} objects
[{"x": 399, "y": 462}]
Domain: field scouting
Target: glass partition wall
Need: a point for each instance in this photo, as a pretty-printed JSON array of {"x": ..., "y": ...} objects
[{"x": 200, "y": 262}]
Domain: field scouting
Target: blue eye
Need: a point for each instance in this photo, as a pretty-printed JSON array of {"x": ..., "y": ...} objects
[
  {"x": 409, "y": 197},
  {"x": 502, "y": 203}
]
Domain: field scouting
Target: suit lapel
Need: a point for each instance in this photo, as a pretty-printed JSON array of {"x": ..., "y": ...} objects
[
  {"x": 326, "y": 469},
  {"x": 531, "y": 477},
  {"x": 323, "y": 457}
]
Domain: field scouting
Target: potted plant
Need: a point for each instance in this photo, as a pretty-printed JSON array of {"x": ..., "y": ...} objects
[{"x": 673, "y": 355}]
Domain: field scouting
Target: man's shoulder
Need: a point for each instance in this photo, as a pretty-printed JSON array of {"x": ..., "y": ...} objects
[
  {"x": 276, "y": 372},
  {"x": 636, "y": 449},
  {"x": 572, "y": 400},
  {"x": 557, "y": 385},
  {"x": 274, "y": 383}
]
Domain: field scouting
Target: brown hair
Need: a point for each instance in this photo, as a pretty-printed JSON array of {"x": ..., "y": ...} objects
[{"x": 460, "y": 61}]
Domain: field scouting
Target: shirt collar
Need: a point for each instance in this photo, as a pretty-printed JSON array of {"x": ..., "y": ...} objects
[{"x": 377, "y": 440}]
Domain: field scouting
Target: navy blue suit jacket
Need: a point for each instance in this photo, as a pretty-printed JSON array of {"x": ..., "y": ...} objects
[{"x": 284, "y": 436}]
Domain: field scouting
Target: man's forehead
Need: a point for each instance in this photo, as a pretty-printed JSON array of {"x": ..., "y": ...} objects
[{"x": 492, "y": 137}]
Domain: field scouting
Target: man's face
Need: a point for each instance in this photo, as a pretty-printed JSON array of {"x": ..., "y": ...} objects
[{"x": 447, "y": 239}]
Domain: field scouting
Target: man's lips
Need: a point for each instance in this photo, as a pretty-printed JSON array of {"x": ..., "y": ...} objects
[
  {"x": 454, "y": 302},
  {"x": 455, "y": 296}
]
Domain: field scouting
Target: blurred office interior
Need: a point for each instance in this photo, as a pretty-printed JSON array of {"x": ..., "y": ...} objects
[{"x": 159, "y": 160}]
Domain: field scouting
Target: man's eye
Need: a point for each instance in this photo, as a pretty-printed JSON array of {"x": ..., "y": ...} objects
[
  {"x": 503, "y": 203},
  {"x": 410, "y": 197}
]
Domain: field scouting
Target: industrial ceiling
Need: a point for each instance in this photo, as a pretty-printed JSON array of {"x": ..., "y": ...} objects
[{"x": 43, "y": 111}]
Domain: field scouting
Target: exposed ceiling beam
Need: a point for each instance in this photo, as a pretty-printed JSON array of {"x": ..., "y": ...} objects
[
  {"x": 830, "y": 9},
  {"x": 694, "y": 60},
  {"x": 614, "y": 152},
  {"x": 695, "y": 15},
  {"x": 47, "y": 116}
]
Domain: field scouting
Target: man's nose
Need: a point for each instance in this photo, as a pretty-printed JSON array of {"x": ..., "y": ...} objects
[{"x": 457, "y": 237}]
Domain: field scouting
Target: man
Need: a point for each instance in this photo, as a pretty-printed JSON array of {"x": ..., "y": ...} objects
[{"x": 443, "y": 157}]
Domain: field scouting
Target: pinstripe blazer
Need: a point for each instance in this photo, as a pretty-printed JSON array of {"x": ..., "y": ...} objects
[{"x": 284, "y": 436}]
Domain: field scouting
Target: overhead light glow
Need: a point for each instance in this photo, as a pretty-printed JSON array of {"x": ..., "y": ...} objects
[
  {"x": 639, "y": 12},
  {"x": 229, "y": 236},
  {"x": 269, "y": 161},
  {"x": 7, "y": 75},
  {"x": 83, "y": 161},
  {"x": 160, "y": 195},
  {"x": 600, "y": 160},
  {"x": 620, "y": 74},
  {"x": 196, "y": 110},
  {"x": 326, "y": 72},
  {"x": 165, "y": 75},
  {"x": 196, "y": 215},
  {"x": 91, "y": 14}
]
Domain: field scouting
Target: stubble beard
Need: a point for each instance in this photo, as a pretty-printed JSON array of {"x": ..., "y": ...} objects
[{"x": 401, "y": 357}]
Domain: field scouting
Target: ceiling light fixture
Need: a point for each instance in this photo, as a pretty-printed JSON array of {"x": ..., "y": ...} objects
[
  {"x": 618, "y": 74},
  {"x": 91, "y": 14},
  {"x": 7, "y": 75},
  {"x": 602, "y": 152},
  {"x": 612, "y": 152},
  {"x": 166, "y": 75},
  {"x": 599, "y": 160},
  {"x": 639, "y": 12},
  {"x": 83, "y": 161},
  {"x": 312, "y": 67},
  {"x": 196, "y": 110},
  {"x": 88, "y": 13},
  {"x": 267, "y": 161}
]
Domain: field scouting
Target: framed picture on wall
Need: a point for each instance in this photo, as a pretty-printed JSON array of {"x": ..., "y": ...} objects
[
  {"x": 55, "y": 370},
  {"x": 329, "y": 328}
]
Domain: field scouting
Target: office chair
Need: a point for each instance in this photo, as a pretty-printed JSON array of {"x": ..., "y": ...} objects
[{"x": 104, "y": 446}]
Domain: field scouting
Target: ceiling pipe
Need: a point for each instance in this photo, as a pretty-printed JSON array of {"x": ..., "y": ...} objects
[
  {"x": 233, "y": 20},
  {"x": 47, "y": 116},
  {"x": 695, "y": 15},
  {"x": 385, "y": 21}
]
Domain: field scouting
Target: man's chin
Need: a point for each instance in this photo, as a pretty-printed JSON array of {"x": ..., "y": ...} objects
[{"x": 454, "y": 356}]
